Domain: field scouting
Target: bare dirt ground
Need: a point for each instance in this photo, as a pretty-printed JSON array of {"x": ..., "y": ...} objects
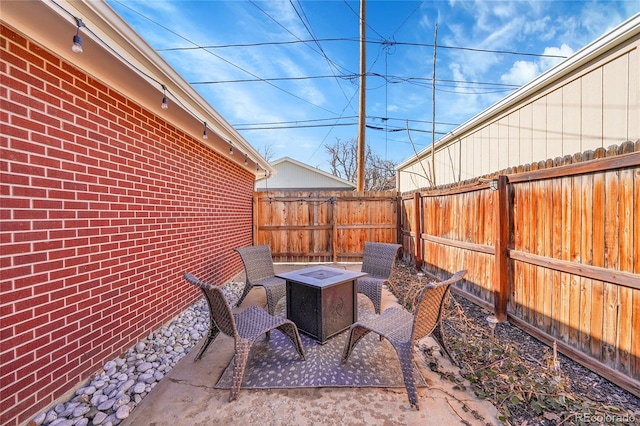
[{"x": 520, "y": 375}]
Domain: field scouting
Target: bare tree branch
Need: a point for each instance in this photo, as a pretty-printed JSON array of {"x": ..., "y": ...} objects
[{"x": 379, "y": 174}]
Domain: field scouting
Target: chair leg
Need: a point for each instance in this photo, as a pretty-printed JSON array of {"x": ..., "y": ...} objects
[
  {"x": 405, "y": 355},
  {"x": 377, "y": 300},
  {"x": 373, "y": 291},
  {"x": 213, "y": 332},
  {"x": 438, "y": 336},
  {"x": 355, "y": 334},
  {"x": 290, "y": 330},
  {"x": 274, "y": 294},
  {"x": 245, "y": 292},
  {"x": 239, "y": 365}
]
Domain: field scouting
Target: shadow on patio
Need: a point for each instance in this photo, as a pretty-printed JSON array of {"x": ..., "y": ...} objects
[{"x": 187, "y": 394}]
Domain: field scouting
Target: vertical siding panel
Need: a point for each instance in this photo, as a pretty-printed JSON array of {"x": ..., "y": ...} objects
[
  {"x": 539, "y": 132},
  {"x": 572, "y": 119},
  {"x": 591, "y": 110},
  {"x": 555, "y": 122},
  {"x": 514, "y": 139},
  {"x": 503, "y": 145},
  {"x": 491, "y": 134},
  {"x": 634, "y": 95},
  {"x": 486, "y": 151},
  {"x": 456, "y": 159},
  {"x": 526, "y": 134},
  {"x": 476, "y": 143},
  {"x": 615, "y": 96}
]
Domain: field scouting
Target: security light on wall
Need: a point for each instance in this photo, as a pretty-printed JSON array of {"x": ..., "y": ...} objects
[{"x": 204, "y": 132}]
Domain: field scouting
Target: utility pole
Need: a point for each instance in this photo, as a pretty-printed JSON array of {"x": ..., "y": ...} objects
[
  {"x": 363, "y": 88},
  {"x": 433, "y": 111}
]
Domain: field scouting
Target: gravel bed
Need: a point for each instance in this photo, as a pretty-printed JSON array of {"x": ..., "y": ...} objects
[{"x": 121, "y": 384}]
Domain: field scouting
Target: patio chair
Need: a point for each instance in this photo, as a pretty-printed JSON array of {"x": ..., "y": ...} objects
[
  {"x": 402, "y": 329},
  {"x": 258, "y": 267},
  {"x": 245, "y": 326},
  {"x": 377, "y": 262}
]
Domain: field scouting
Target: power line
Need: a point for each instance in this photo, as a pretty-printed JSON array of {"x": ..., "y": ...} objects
[
  {"x": 394, "y": 129},
  {"x": 389, "y": 78},
  {"x": 225, "y": 60},
  {"x": 381, "y": 42},
  {"x": 344, "y": 118}
]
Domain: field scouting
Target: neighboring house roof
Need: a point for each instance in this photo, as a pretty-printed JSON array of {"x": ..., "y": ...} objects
[
  {"x": 296, "y": 176},
  {"x": 119, "y": 57}
]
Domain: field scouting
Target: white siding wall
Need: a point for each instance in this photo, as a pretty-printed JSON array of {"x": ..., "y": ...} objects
[
  {"x": 596, "y": 105},
  {"x": 292, "y": 176}
]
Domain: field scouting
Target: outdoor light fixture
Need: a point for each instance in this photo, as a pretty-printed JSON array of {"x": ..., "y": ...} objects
[
  {"x": 230, "y": 149},
  {"x": 493, "y": 184},
  {"x": 245, "y": 160},
  {"x": 76, "y": 47},
  {"x": 204, "y": 132},
  {"x": 492, "y": 320},
  {"x": 165, "y": 101}
]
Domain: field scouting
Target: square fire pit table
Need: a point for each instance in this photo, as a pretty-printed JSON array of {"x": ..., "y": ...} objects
[{"x": 322, "y": 301}]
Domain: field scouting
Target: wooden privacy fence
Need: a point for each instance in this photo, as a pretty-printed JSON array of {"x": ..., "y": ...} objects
[
  {"x": 323, "y": 226},
  {"x": 555, "y": 248}
]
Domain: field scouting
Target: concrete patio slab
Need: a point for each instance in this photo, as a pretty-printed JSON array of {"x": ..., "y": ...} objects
[{"x": 186, "y": 395}]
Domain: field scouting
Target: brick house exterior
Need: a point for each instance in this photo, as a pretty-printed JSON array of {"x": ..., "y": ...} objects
[{"x": 104, "y": 205}]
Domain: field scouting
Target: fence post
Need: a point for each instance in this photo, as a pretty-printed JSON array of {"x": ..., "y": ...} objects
[
  {"x": 399, "y": 238},
  {"x": 417, "y": 245},
  {"x": 334, "y": 229},
  {"x": 256, "y": 222},
  {"x": 501, "y": 284}
]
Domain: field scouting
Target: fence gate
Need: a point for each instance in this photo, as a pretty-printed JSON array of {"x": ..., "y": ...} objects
[{"x": 323, "y": 226}]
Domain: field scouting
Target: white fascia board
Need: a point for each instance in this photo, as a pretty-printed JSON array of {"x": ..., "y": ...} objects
[{"x": 116, "y": 37}]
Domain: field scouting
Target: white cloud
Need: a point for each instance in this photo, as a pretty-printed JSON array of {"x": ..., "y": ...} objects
[
  {"x": 546, "y": 63},
  {"x": 542, "y": 28},
  {"x": 520, "y": 73}
]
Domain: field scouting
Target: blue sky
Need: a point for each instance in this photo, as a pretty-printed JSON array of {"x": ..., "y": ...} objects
[{"x": 284, "y": 73}]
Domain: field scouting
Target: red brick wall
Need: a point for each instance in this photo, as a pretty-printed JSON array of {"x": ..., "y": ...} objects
[{"x": 104, "y": 206}]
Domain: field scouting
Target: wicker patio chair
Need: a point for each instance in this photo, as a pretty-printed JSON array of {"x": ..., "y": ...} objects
[
  {"x": 402, "y": 329},
  {"x": 377, "y": 262},
  {"x": 244, "y": 326},
  {"x": 258, "y": 267}
]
